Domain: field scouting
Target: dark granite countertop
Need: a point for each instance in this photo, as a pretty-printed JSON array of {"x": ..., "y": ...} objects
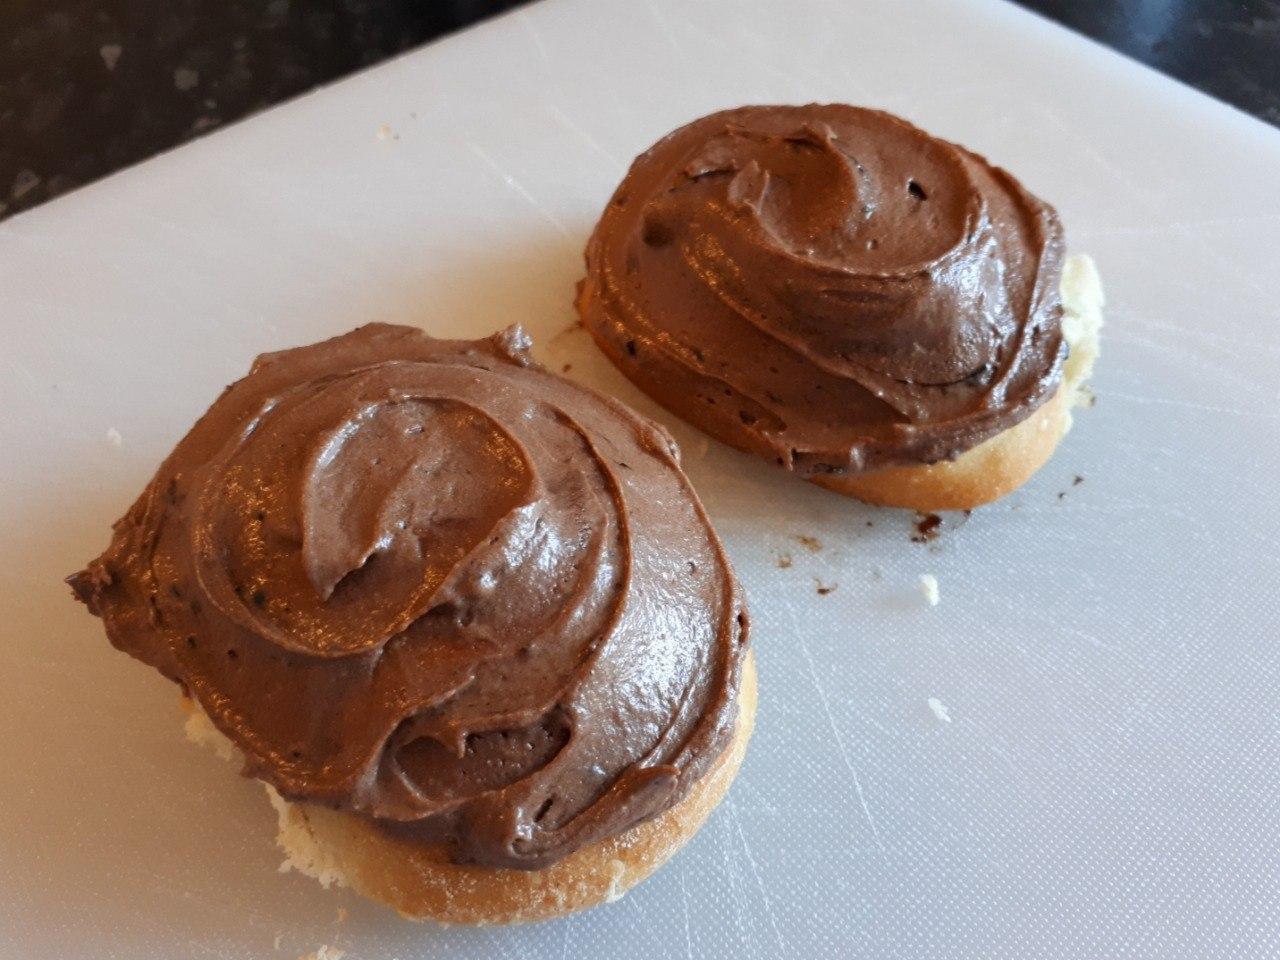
[{"x": 89, "y": 86}]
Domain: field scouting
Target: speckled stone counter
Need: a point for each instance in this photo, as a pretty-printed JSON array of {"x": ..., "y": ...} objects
[{"x": 90, "y": 86}]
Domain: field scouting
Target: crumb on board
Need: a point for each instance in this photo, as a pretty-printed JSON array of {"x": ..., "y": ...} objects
[
  {"x": 571, "y": 328},
  {"x": 926, "y": 527},
  {"x": 812, "y": 544},
  {"x": 275, "y": 944},
  {"x": 110, "y": 54},
  {"x": 342, "y": 915},
  {"x": 1077, "y": 480},
  {"x": 566, "y": 368},
  {"x": 940, "y": 710},
  {"x": 824, "y": 588},
  {"x": 929, "y": 587},
  {"x": 784, "y": 561},
  {"x": 386, "y": 133},
  {"x": 324, "y": 952},
  {"x": 114, "y": 438}
]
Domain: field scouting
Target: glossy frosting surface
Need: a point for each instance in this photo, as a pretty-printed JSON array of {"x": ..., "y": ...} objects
[
  {"x": 430, "y": 583},
  {"x": 829, "y": 286}
]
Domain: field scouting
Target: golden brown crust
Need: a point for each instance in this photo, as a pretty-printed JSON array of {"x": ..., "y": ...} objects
[
  {"x": 990, "y": 470},
  {"x": 421, "y": 884}
]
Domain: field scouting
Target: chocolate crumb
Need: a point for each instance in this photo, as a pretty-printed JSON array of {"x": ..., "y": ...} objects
[
  {"x": 810, "y": 543},
  {"x": 232, "y": 655},
  {"x": 926, "y": 526},
  {"x": 824, "y": 589},
  {"x": 784, "y": 561},
  {"x": 566, "y": 368},
  {"x": 1077, "y": 480},
  {"x": 1062, "y": 494}
]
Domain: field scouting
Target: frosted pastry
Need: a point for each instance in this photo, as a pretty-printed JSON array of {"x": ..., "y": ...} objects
[
  {"x": 466, "y": 621},
  {"x": 863, "y": 304}
]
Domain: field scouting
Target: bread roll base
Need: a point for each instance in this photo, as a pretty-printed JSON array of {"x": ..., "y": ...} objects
[{"x": 421, "y": 883}]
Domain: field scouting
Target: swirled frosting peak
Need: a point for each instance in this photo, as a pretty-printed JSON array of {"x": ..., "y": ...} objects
[
  {"x": 829, "y": 286},
  {"x": 427, "y": 582}
]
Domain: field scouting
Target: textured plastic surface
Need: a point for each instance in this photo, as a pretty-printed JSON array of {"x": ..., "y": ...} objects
[{"x": 1105, "y": 651}]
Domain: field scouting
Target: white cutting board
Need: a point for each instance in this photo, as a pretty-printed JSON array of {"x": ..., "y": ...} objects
[{"x": 1107, "y": 652}]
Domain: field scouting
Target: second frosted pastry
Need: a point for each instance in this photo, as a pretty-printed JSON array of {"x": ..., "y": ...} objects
[{"x": 838, "y": 291}]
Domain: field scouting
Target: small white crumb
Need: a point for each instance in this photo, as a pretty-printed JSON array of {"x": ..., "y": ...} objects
[
  {"x": 929, "y": 587},
  {"x": 114, "y": 438},
  {"x": 324, "y": 952},
  {"x": 617, "y": 870},
  {"x": 110, "y": 54},
  {"x": 940, "y": 710},
  {"x": 385, "y": 132},
  {"x": 184, "y": 78}
]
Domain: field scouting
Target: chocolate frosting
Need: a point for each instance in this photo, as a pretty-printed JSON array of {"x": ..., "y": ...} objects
[
  {"x": 430, "y": 583},
  {"x": 829, "y": 287}
]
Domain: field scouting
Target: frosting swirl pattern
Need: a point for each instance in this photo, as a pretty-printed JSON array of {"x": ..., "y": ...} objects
[
  {"x": 427, "y": 582},
  {"x": 829, "y": 286}
]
